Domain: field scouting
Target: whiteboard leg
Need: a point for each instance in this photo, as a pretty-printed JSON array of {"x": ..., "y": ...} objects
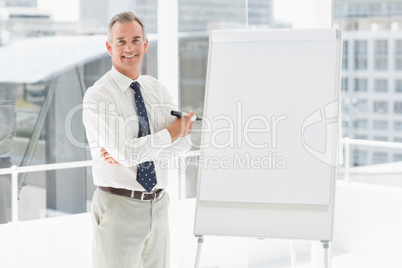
[
  {"x": 292, "y": 254},
  {"x": 198, "y": 256},
  {"x": 326, "y": 254}
]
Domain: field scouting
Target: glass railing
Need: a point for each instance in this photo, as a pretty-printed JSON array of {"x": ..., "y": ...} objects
[{"x": 187, "y": 174}]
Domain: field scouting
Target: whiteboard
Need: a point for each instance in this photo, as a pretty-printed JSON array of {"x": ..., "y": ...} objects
[{"x": 271, "y": 134}]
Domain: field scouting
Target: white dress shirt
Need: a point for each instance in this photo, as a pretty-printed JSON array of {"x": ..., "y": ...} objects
[{"x": 111, "y": 121}]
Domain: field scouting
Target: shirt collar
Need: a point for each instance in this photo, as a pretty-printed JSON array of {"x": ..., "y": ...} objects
[{"x": 122, "y": 81}]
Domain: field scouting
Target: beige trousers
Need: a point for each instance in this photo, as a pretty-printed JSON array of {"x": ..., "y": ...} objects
[{"x": 130, "y": 233}]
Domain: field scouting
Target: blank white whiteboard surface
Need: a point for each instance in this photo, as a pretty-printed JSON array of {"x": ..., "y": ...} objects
[{"x": 271, "y": 134}]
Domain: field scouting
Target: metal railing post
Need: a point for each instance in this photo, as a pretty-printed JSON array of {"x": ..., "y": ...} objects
[{"x": 14, "y": 194}]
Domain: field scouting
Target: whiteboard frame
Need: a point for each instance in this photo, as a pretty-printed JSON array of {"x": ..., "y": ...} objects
[{"x": 291, "y": 221}]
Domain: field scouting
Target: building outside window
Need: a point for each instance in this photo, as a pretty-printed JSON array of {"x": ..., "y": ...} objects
[
  {"x": 345, "y": 52},
  {"x": 398, "y": 85},
  {"x": 397, "y": 157},
  {"x": 380, "y": 107},
  {"x": 398, "y": 107},
  {"x": 398, "y": 126},
  {"x": 372, "y": 30},
  {"x": 380, "y": 157},
  {"x": 360, "y": 124},
  {"x": 360, "y": 85},
  {"x": 380, "y": 85},
  {"x": 398, "y": 55},
  {"x": 381, "y": 54},
  {"x": 380, "y": 138},
  {"x": 359, "y": 157},
  {"x": 380, "y": 125},
  {"x": 360, "y": 55},
  {"x": 362, "y": 105},
  {"x": 344, "y": 84}
]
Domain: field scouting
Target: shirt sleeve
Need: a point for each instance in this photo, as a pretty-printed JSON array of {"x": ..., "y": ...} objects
[
  {"x": 105, "y": 128},
  {"x": 180, "y": 145}
]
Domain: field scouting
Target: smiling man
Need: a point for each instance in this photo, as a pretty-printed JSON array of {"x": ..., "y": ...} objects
[{"x": 129, "y": 129}]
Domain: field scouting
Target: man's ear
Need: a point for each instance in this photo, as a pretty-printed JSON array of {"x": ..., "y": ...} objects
[
  {"x": 109, "y": 47},
  {"x": 146, "y": 46}
]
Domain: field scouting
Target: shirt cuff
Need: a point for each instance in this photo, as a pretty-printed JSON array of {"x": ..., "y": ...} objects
[{"x": 163, "y": 138}]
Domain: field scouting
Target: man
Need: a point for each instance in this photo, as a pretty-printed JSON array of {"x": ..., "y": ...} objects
[{"x": 129, "y": 129}]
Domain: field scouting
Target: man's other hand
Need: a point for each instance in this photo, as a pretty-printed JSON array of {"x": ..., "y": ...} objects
[{"x": 107, "y": 157}]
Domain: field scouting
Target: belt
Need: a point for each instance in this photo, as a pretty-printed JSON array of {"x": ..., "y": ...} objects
[{"x": 133, "y": 194}]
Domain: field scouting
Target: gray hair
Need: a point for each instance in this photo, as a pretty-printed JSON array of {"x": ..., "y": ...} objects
[{"x": 124, "y": 17}]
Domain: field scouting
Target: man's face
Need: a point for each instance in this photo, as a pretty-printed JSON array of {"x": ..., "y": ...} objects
[{"x": 127, "y": 48}]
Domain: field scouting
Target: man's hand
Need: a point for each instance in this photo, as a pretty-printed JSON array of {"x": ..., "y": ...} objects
[
  {"x": 108, "y": 158},
  {"x": 181, "y": 126}
]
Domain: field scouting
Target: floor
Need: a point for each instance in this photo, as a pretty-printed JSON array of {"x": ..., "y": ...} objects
[{"x": 65, "y": 241}]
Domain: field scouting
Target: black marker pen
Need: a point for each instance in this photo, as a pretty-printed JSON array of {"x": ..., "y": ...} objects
[{"x": 179, "y": 114}]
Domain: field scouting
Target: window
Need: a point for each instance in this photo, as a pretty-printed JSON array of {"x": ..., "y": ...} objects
[
  {"x": 380, "y": 138},
  {"x": 381, "y": 54},
  {"x": 344, "y": 84},
  {"x": 359, "y": 9},
  {"x": 360, "y": 85},
  {"x": 362, "y": 105},
  {"x": 361, "y": 47},
  {"x": 40, "y": 101},
  {"x": 398, "y": 85},
  {"x": 398, "y": 55},
  {"x": 380, "y": 157},
  {"x": 380, "y": 85},
  {"x": 398, "y": 62},
  {"x": 380, "y": 107},
  {"x": 360, "y": 63},
  {"x": 345, "y": 55},
  {"x": 359, "y": 157},
  {"x": 381, "y": 63},
  {"x": 360, "y": 124},
  {"x": 380, "y": 125},
  {"x": 375, "y": 9},
  {"x": 394, "y": 8},
  {"x": 360, "y": 137},
  {"x": 398, "y": 47},
  {"x": 360, "y": 55},
  {"x": 398, "y": 107},
  {"x": 398, "y": 126},
  {"x": 397, "y": 157},
  {"x": 381, "y": 47}
]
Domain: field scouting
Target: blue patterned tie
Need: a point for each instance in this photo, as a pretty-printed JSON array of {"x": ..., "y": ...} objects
[{"x": 146, "y": 175}]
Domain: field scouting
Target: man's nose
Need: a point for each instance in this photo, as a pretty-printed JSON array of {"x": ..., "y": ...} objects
[{"x": 129, "y": 47}]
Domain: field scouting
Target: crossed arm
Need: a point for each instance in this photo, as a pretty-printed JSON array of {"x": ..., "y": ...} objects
[{"x": 180, "y": 127}]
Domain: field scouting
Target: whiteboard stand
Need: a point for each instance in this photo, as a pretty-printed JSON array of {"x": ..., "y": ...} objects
[
  {"x": 199, "y": 246},
  {"x": 292, "y": 254},
  {"x": 326, "y": 254}
]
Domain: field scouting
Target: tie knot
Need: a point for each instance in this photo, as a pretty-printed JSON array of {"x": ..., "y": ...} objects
[{"x": 135, "y": 85}]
